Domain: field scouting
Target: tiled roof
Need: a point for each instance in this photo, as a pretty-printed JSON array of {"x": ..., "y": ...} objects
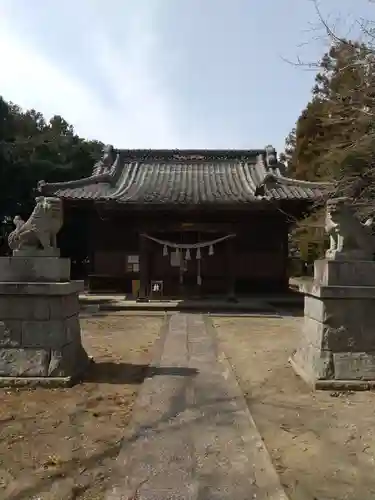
[{"x": 187, "y": 178}]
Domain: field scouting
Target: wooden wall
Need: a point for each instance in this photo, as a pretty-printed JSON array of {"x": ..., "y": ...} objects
[{"x": 259, "y": 250}]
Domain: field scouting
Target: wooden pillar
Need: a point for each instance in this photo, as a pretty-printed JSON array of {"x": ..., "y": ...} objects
[
  {"x": 143, "y": 295},
  {"x": 198, "y": 267},
  {"x": 231, "y": 272},
  {"x": 285, "y": 256},
  {"x": 93, "y": 225}
]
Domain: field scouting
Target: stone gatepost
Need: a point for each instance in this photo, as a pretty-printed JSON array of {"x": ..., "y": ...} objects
[
  {"x": 40, "y": 336},
  {"x": 337, "y": 346}
]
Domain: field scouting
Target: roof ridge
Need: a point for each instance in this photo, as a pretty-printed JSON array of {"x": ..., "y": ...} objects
[{"x": 170, "y": 155}]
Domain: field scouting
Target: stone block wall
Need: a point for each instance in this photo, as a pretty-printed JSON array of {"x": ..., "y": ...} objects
[
  {"x": 338, "y": 336},
  {"x": 338, "y": 339},
  {"x": 40, "y": 335}
]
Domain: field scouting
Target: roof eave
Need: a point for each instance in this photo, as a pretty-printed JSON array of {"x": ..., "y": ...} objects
[
  {"x": 272, "y": 179},
  {"x": 260, "y": 203}
]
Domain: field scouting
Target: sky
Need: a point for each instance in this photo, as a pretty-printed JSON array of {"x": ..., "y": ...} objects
[{"x": 210, "y": 74}]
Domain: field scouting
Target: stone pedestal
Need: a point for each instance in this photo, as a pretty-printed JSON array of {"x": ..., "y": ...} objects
[
  {"x": 337, "y": 348},
  {"x": 40, "y": 337},
  {"x": 34, "y": 269}
]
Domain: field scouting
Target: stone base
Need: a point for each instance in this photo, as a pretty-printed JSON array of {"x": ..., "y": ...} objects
[
  {"x": 40, "y": 334},
  {"x": 47, "y": 382},
  {"x": 344, "y": 273},
  {"x": 34, "y": 269},
  {"x": 232, "y": 299},
  {"x": 337, "y": 346},
  {"x": 331, "y": 385},
  {"x": 143, "y": 299},
  {"x": 348, "y": 256},
  {"x": 36, "y": 252}
]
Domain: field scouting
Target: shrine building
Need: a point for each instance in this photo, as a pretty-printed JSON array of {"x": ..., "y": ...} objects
[{"x": 187, "y": 223}]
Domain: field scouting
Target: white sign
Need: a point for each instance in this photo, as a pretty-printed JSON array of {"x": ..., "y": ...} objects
[
  {"x": 175, "y": 258},
  {"x": 133, "y": 259}
]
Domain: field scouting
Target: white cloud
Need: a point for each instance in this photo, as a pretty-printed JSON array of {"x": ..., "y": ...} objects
[
  {"x": 139, "y": 113},
  {"x": 135, "y": 81},
  {"x": 32, "y": 81}
]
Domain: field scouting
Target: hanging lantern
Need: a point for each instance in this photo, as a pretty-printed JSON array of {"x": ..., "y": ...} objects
[
  {"x": 165, "y": 251},
  {"x": 199, "y": 254},
  {"x": 187, "y": 255},
  {"x": 211, "y": 250}
]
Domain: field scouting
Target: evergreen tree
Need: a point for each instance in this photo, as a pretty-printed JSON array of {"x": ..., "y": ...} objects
[
  {"x": 32, "y": 149},
  {"x": 334, "y": 137},
  {"x": 334, "y": 134}
]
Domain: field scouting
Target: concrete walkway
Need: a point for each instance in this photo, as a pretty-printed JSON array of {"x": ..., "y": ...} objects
[{"x": 192, "y": 437}]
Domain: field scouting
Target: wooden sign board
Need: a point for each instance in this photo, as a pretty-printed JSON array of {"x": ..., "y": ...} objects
[{"x": 135, "y": 287}]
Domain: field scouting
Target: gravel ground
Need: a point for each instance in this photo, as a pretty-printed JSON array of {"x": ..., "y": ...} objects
[
  {"x": 61, "y": 444},
  {"x": 322, "y": 444}
]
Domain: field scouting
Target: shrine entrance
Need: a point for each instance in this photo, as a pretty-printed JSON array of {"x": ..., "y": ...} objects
[{"x": 189, "y": 264}]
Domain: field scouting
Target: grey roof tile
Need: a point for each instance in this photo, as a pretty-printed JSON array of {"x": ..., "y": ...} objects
[{"x": 165, "y": 181}]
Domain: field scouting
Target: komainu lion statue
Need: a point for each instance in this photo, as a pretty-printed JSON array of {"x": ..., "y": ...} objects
[
  {"x": 40, "y": 229},
  {"x": 349, "y": 238}
]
